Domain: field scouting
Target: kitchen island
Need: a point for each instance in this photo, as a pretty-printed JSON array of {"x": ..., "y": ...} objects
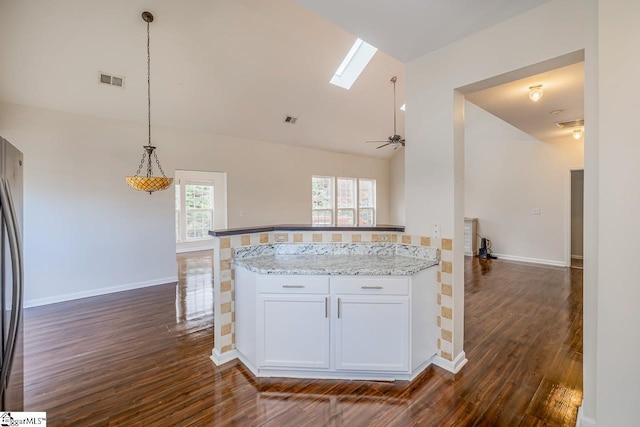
[{"x": 336, "y": 310}]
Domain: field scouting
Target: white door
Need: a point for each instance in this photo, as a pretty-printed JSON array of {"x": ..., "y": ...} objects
[
  {"x": 372, "y": 333},
  {"x": 293, "y": 331}
]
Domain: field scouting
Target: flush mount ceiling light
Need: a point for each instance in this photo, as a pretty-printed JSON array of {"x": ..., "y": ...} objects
[
  {"x": 577, "y": 133},
  {"x": 148, "y": 182},
  {"x": 535, "y": 93}
]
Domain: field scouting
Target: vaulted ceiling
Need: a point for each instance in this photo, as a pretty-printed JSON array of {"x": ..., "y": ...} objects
[{"x": 231, "y": 67}]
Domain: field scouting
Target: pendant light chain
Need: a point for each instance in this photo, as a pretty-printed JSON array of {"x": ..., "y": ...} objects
[
  {"x": 158, "y": 163},
  {"x": 149, "y": 81},
  {"x": 149, "y": 169}
]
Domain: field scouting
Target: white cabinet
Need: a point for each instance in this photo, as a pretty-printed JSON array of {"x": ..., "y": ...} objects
[
  {"x": 372, "y": 323},
  {"x": 369, "y": 327},
  {"x": 372, "y": 333},
  {"x": 470, "y": 236},
  {"x": 294, "y": 331},
  {"x": 293, "y": 321}
]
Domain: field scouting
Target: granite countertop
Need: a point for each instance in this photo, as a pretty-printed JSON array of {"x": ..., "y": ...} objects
[{"x": 364, "y": 265}]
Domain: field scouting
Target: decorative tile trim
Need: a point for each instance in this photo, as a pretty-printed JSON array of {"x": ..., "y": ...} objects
[{"x": 444, "y": 276}]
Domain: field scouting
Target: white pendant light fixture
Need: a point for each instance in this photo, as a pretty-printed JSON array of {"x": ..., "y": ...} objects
[
  {"x": 148, "y": 182},
  {"x": 535, "y": 93},
  {"x": 577, "y": 133}
]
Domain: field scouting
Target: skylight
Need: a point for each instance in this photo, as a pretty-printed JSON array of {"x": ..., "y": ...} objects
[
  {"x": 404, "y": 107},
  {"x": 358, "y": 57}
]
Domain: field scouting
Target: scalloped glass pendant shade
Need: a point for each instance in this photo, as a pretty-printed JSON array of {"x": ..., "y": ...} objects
[{"x": 149, "y": 183}]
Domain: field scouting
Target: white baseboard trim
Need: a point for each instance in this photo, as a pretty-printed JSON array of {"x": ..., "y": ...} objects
[
  {"x": 531, "y": 260},
  {"x": 326, "y": 374},
  {"x": 95, "y": 292},
  {"x": 576, "y": 257},
  {"x": 583, "y": 421},
  {"x": 222, "y": 358},
  {"x": 451, "y": 366},
  {"x": 194, "y": 249}
]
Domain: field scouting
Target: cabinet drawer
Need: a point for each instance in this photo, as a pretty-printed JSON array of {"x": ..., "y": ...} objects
[
  {"x": 370, "y": 285},
  {"x": 293, "y": 284}
]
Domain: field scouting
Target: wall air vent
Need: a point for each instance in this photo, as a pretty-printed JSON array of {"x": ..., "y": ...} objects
[
  {"x": 111, "y": 80},
  {"x": 290, "y": 119},
  {"x": 571, "y": 124}
]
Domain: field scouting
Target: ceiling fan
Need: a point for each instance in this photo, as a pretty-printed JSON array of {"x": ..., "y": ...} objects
[{"x": 395, "y": 140}]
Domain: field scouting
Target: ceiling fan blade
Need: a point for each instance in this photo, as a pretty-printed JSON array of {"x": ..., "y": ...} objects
[
  {"x": 384, "y": 145},
  {"x": 377, "y": 142}
]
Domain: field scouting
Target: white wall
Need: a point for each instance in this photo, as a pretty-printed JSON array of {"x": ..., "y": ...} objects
[
  {"x": 396, "y": 188},
  {"x": 618, "y": 293},
  {"x": 507, "y": 174},
  {"x": 87, "y": 232},
  {"x": 435, "y": 122}
]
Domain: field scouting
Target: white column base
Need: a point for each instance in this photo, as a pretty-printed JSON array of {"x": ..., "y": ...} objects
[
  {"x": 583, "y": 421},
  {"x": 220, "y": 359},
  {"x": 451, "y": 366}
]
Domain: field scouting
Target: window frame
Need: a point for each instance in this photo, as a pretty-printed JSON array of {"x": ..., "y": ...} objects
[
  {"x": 332, "y": 199},
  {"x": 335, "y": 204},
  {"x": 183, "y": 211}
]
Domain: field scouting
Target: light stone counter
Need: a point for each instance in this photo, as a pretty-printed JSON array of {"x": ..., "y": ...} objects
[
  {"x": 364, "y": 265},
  {"x": 372, "y": 259}
]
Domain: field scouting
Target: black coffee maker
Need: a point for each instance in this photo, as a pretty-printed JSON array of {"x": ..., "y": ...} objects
[{"x": 485, "y": 249}]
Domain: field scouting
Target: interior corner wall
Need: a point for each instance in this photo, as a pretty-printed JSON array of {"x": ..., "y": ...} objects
[
  {"x": 618, "y": 291},
  {"x": 508, "y": 173},
  {"x": 87, "y": 233},
  {"x": 396, "y": 188},
  {"x": 432, "y": 162}
]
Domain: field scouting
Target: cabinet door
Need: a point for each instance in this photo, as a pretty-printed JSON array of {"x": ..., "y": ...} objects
[
  {"x": 293, "y": 331},
  {"x": 372, "y": 333}
]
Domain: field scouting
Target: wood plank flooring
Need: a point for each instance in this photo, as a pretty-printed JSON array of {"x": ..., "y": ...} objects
[{"x": 141, "y": 358}]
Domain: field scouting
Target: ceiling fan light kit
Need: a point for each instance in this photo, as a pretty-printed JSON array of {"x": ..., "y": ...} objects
[
  {"x": 149, "y": 182},
  {"x": 394, "y": 140}
]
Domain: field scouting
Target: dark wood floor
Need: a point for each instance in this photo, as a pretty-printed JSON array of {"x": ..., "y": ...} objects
[{"x": 141, "y": 358}]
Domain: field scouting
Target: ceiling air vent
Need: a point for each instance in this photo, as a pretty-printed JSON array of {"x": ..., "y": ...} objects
[
  {"x": 571, "y": 124},
  {"x": 290, "y": 119},
  {"x": 110, "y": 80}
]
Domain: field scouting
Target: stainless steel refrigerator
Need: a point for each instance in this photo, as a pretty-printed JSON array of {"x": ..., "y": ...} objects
[{"x": 11, "y": 273}]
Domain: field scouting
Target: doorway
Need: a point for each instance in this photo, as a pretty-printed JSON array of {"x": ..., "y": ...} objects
[
  {"x": 200, "y": 206},
  {"x": 577, "y": 217}
]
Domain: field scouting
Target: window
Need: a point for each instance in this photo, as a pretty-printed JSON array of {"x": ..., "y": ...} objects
[
  {"x": 322, "y": 195},
  {"x": 346, "y": 213},
  {"x": 194, "y": 211},
  {"x": 353, "y": 64},
  {"x": 343, "y": 201},
  {"x": 199, "y": 210},
  {"x": 367, "y": 202}
]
